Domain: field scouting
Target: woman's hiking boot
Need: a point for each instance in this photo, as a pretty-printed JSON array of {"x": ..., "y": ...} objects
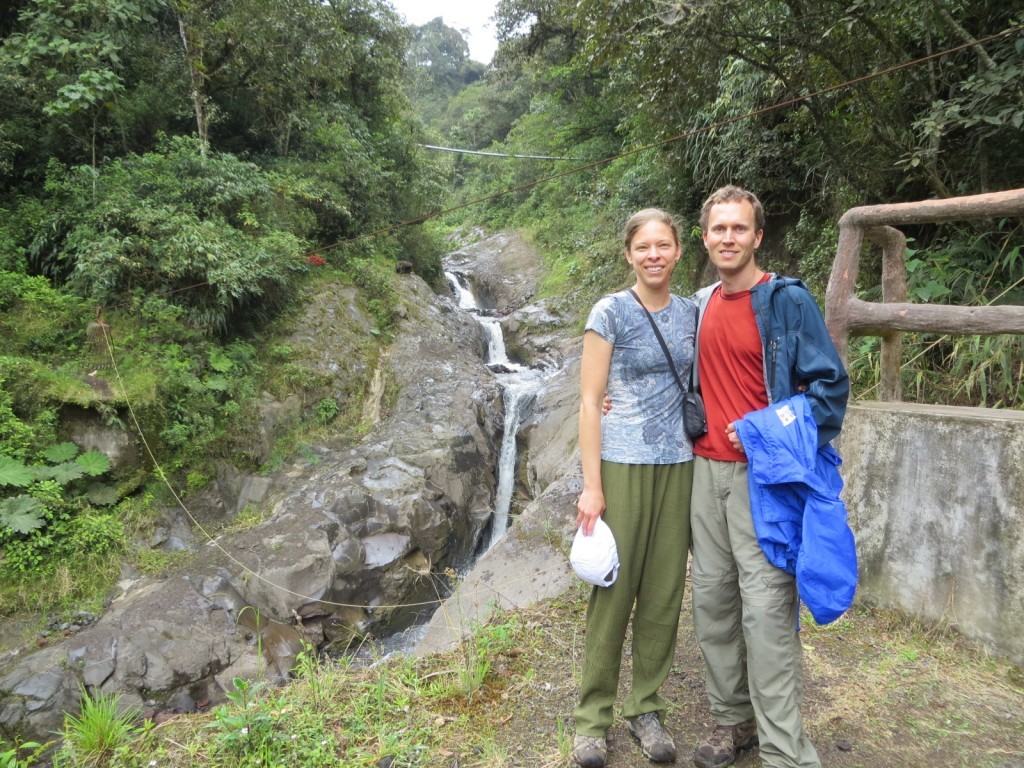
[
  {"x": 724, "y": 744},
  {"x": 589, "y": 751},
  {"x": 655, "y": 741}
]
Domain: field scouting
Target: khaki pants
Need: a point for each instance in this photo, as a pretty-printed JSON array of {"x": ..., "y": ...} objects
[
  {"x": 648, "y": 510},
  {"x": 745, "y": 613}
]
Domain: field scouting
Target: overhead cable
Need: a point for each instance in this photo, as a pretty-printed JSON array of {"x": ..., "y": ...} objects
[{"x": 493, "y": 154}]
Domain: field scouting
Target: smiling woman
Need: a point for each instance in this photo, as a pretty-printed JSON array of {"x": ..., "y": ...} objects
[
  {"x": 637, "y": 470},
  {"x": 471, "y": 17}
]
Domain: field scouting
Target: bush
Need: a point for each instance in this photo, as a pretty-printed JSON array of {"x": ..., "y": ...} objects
[
  {"x": 202, "y": 233},
  {"x": 37, "y": 319}
]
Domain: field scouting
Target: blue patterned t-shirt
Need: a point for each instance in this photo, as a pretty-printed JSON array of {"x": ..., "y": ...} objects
[{"x": 645, "y": 425}]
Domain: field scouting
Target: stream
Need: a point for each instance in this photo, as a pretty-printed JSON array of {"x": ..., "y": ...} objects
[{"x": 519, "y": 384}]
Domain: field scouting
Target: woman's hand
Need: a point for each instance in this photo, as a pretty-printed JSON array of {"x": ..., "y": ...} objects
[
  {"x": 734, "y": 437},
  {"x": 606, "y": 405},
  {"x": 589, "y": 507}
]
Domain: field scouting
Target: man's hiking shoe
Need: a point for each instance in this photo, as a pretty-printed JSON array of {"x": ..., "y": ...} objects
[
  {"x": 654, "y": 740},
  {"x": 724, "y": 744},
  {"x": 589, "y": 751}
]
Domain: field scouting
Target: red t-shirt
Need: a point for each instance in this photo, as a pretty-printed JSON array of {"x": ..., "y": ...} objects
[{"x": 731, "y": 370}]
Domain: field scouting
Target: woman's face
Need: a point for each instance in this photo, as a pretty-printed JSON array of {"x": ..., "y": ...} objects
[{"x": 653, "y": 253}]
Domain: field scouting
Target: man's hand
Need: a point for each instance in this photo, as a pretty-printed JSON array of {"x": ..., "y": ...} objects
[
  {"x": 589, "y": 507},
  {"x": 606, "y": 405},
  {"x": 734, "y": 437}
]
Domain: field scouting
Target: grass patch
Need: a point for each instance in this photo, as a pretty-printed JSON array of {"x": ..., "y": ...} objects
[
  {"x": 81, "y": 581},
  {"x": 95, "y": 736},
  {"x": 157, "y": 562},
  {"x": 247, "y": 518},
  {"x": 400, "y": 712}
]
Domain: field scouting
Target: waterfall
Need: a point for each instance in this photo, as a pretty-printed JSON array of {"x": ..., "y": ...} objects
[
  {"x": 519, "y": 387},
  {"x": 496, "y": 354},
  {"x": 463, "y": 295}
]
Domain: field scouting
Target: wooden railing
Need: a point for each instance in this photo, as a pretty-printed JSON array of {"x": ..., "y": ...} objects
[{"x": 845, "y": 314}]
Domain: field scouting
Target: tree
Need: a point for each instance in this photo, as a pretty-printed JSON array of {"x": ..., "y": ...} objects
[
  {"x": 66, "y": 58},
  {"x": 440, "y": 68}
]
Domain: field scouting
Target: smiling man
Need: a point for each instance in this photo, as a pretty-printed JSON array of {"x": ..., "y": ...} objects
[{"x": 761, "y": 338}]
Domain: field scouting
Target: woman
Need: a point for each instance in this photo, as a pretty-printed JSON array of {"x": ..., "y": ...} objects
[{"x": 637, "y": 473}]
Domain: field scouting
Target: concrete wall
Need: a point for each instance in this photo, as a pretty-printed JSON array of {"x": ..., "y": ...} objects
[{"x": 936, "y": 499}]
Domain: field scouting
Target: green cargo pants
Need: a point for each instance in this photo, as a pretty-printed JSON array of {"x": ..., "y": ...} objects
[
  {"x": 648, "y": 510},
  {"x": 745, "y": 613}
]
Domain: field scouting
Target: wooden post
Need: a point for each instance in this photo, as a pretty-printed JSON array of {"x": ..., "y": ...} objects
[
  {"x": 841, "y": 284},
  {"x": 894, "y": 289}
]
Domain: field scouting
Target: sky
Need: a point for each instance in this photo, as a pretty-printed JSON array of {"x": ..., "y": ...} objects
[{"x": 471, "y": 15}]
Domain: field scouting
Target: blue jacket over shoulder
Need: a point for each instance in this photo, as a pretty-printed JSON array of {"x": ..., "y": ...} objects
[{"x": 799, "y": 519}]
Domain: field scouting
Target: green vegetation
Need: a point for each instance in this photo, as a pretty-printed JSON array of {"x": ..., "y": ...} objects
[
  {"x": 102, "y": 731},
  {"x": 400, "y": 711},
  {"x": 179, "y": 180},
  {"x": 572, "y": 80},
  {"x": 22, "y": 756}
]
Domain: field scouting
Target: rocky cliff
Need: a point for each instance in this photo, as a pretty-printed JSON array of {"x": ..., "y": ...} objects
[{"x": 351, "y": 536}]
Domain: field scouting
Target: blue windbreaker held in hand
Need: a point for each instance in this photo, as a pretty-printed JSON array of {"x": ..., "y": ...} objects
[{"x": 799, "y": 519}]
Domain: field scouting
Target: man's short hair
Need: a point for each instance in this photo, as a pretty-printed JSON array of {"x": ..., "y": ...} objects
[{"x": 730, "y": 193}]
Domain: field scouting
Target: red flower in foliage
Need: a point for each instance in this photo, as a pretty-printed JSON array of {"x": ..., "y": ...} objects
[{"x": 316, "y": 260}]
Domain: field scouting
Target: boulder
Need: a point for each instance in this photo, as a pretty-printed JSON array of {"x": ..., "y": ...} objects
[
  {"x": 90, "y": 431},
  {"x": 535, "y": 334},
  {"x": 164, "y": 638},
  {"x": 549, "y": 437}
]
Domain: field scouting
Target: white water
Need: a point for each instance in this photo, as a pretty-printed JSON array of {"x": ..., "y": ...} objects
[{"x": 519, "y": 384}]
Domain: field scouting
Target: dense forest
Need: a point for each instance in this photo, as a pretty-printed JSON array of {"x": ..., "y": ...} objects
[{"x": 174, "y": 172}]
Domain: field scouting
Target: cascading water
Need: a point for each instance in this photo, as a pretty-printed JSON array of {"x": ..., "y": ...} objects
[{"x": 519, "y": 386}]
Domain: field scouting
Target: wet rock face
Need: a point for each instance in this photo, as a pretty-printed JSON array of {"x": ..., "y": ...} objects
[
  {"x": 550, "y": 436},
  {"x": 536, "y": 333},
  {"x": 350, "y": 537},
  {"x": 504, "y": 270}
]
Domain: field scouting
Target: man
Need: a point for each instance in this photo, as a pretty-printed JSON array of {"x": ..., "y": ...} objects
[{"x": 761, "y": 338}]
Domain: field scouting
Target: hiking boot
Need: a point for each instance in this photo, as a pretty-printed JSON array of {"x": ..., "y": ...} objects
[
  {"x": 654, "y": 740},
  {"x": 589, "y": 751},
  {"x": 724, "y": 744}
]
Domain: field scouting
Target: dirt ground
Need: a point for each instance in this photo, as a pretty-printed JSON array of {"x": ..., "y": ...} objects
[{"x": 880, "y": 690}]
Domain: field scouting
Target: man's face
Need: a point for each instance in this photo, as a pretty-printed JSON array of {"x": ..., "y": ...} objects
[{"x": 731, "y": 238}]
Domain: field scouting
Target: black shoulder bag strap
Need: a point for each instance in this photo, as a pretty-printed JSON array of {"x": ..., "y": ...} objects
[
  {"x": 695, "y": 422},
  {"x": 661, "y": 340}
]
